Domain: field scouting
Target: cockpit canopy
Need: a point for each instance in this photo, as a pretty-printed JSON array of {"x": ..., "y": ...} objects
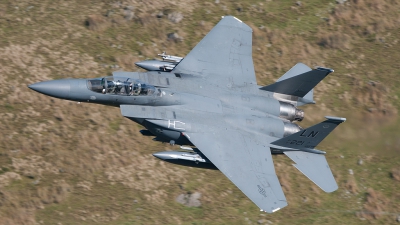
[{"x": 120, "y": 86}]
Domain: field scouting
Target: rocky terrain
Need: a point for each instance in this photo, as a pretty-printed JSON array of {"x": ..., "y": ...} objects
[{"x": 68, "y": 163}]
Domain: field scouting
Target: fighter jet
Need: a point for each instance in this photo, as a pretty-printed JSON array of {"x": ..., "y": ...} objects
[{"x": 210, "y": 105}]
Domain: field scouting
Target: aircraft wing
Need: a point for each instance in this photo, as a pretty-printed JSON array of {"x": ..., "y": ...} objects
[
  {"x": 246, "y": 161},
  {"x": 223, "y": 57},
  {"x": 315, "y": 167}
]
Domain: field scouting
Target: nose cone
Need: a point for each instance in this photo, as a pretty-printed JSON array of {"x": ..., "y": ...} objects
[{"x": 53, "y": 88}]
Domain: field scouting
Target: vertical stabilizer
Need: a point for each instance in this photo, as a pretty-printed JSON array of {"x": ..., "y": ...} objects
[
  {"x": 297, "y": 69},
  {"x": 311, "y": 162},
  {"x": 310, "y": 137},
  {"x": 297, "y": 84}
]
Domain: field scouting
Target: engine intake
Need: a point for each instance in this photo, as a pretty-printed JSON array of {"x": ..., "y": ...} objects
[{"x": 290, "y": 112}]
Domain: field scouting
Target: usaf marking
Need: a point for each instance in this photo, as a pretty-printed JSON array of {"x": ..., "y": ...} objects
[{"x": 174, "y": 124}]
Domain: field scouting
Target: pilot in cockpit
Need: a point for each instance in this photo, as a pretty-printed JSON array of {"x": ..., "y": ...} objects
[
  {"x": 111, "y": 85},
  {"x": 136, "y": 89},
  {"x": 118, "y": 86}
]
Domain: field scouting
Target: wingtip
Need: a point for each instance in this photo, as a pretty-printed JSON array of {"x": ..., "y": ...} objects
[
  {"x": 238, "y": 19},
  {"x": 274, "y": 210},
  {"x": 229, "y": 16},
  {"x": 339, "y": 119},
  {"x": 233, "y": 21},
  {"x": 324, "y": 68}
]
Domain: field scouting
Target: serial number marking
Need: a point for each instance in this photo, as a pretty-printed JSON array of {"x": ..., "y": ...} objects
[{"x": 294, "y": 142}]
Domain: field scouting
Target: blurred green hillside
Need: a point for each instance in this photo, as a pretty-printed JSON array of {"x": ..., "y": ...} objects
[{"x": 68, "y": 163}]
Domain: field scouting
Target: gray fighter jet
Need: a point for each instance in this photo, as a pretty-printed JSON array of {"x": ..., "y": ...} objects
[{"x": 211, "y": 105}]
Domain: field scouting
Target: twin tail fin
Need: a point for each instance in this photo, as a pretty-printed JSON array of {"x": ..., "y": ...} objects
[{"x": 311, "y": 162}]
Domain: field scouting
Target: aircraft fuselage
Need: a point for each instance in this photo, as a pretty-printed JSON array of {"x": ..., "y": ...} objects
[{"x": 259, "y": 111}]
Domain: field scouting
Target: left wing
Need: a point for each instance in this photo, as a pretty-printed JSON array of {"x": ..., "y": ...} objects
[
  {"x": 246, "y": 161},
  {"x": 224, "y": 56}
]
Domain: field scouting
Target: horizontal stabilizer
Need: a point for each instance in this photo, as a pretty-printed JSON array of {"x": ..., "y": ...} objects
[
  {"x": 298, "y": 85},
  {"x": 315, "y": 167},
  {"x": 310, "y": 137}
]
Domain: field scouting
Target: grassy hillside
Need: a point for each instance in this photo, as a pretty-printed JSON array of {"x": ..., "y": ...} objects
[{"x": 68, "y": 163}]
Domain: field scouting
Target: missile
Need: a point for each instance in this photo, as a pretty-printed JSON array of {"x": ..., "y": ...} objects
[
  {"x": 156, "y": 65},
  {"x": 169, "y": 62},
  {"x": 172, "y": 58},
  {"x": 191, "y": 159}
]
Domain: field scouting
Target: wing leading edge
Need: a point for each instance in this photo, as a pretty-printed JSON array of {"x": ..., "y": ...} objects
[{"x": 246, "y": 162}]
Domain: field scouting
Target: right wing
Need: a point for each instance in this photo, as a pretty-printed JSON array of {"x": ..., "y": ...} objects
[
  {"x": 223, "y": 57},
  {"x": 246, "y": 161}
]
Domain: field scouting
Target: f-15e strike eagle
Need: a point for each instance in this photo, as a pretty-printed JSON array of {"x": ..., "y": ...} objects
[{"x": 209, "y": 103}]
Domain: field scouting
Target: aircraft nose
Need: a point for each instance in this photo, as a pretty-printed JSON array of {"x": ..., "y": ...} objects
[{"x": 53, "y": 88}]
